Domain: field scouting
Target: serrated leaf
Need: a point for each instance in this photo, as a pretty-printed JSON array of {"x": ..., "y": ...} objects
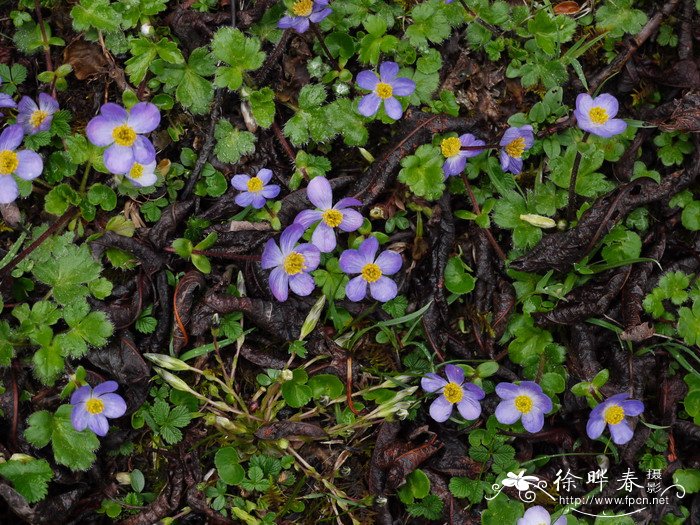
[
  {"x": 422, "y": 172},
  {"x": 29, "y": 478},
  {"x": 231, "y": 143},
  {"x": 97, "y": 14}
]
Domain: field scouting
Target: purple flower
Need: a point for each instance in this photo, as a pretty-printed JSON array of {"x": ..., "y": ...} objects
[
  {"x": 383, "y": 88},
  {"x": 36, "y": 118},
  {"x": 339, "y": 216},
  {"x": 515, "y": 141},
  {"x": 92, "y": 407},
  {"x": 6, "y": 101},
  {"x": 613, "y": 413},
  {"x": 122, "y": 132},
  {"x": 456, "y": 157},
  {"x": 372, "y": 271},
  {"x": 454, "y": 391},
  {"x": 305, "y": 11},
  {"x": 25, "y": 164},
  {"x": 255, "y": 190},
  {"x": 595, "y": 115},
  {"x": 291, "y": 262},
  {"x": 539, "y": 516},
  {"x": 525, "y": 401},
  {"x": 142, "y": 175}
]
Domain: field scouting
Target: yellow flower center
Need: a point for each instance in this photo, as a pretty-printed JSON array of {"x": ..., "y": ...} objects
[
  {"x": 94, "y": 406},
  {"x": 303, "y": 7},
  {"x": 515, "y": 148},
  {"x": 453, "y": 392},
  {"x": 254, "y": 185},
  {"x": 294, "y": 263},
  {"x": 38, "y": 117},
  {"x": 384, "y": 90},
  {"x": 371, "y": 272},
  {"x": 523, "y": 404},
  {"x": 614, "y": 414},
  {"x": 8, "y": 162},
  {"x": 136, "y": 171},
  {"x": 124, "y": 135},
  {"x": 598, "y": 115},
  {"x": 450, "y": 147},
  {"x": 333, "y": 218}
]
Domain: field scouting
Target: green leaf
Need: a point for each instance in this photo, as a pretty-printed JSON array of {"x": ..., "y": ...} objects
[
  {"x": 544, "y": 29},
  {"x": 422, "y": 172},
  {"x": 145, "y": 51},
  {"x": 347, "y": 122},
  {"x": 29, "y": 478},
  {"x": 326, "y": 385},
  {"x": 241, "y": 53},
  {"x": 97, "y": 14},
  {"x": 102, "y": 195},
  {"x": 262, "y": 104},
  {"x": 70, "y": 448},
  {"x": 618, "y": 17},
  {"x": 296, "y": 394},
  {"x": 232, "y": 144},
  {"x": 502, "y": 510},
  {"x": 621, "y": 244},
  {"x": 192, "y": 90},
  {"x": 472, "y": 489},
  {"x": 429, "y": 24},
  {"x": 228, "y": 467},
  {"x": 60, "y": 198},
  {"x": 690, "y": 217},
  {"x": 457, "y": 280},
  {"x": 429, "y": 507},
  {"x": 689, "y": 324},
  {"x": 86, "y": 329}
]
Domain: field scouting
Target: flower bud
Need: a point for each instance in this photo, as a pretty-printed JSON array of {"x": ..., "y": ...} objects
[
  {"x": 168, "y": 362},
  {"x": 123, "y": 478},
  {"x": 538, "y": 220},
  {"x": 286, "y": 375}
]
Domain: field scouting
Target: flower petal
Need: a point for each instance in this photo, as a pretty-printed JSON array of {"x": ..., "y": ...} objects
[
  {"x": 595, "y": 427},
  {"x": 279, "y": 284},
  {"x": 271, "y": 256},
  {"x": 307, "y": 217},
  {"x": 393, "y": 108},
  {"x": 454, "y": 374},
  {"x": 115, "y": 406},
  {"x": 270, "y": 191},
  {"x": 535, "y": 516},
  {"x": 432, "y": 382},
  {"x": 346, "y": 202},
  {"x": 324, "y": 237},
  {"x": 632, "y": 407},
  {"x": 240, "y": 182},
  {"x": 454, "y": 165},
  {"x": 607, "y": 102},
  {"x": 118, "y": 159},
  {"x": 533, "y": 421},
  {"x": 389, "y": 262},
  {"x": 352, "y": 220},
  {"x": 79, "y": 417},
  {"x": 473, "y": 391},
  {"x": 143, "y": 150},
  {"x": 317, "y": 16},
  {"x": 351, "y": 262},
  {"x": 621, "y": 433},
  {"x": 105, "y": 388},
  {"x": 265, "y": 175},
  {"x": 388, "y": 71},
  {"x": 312, "y": 256},
  {"x": 244, "y": 199},
  {"x": 506, "y": 412},
  {"x": 289, "y": 237},
  {"x": 258, "y": 201},
  {"x": 99, "y": 131},
  {"x": 440, "y": 409},
  {"x": 144, "y": 117},
  {"x": 114, "y": 112},
  {"x": 30, "y": 165},
  {"x": 469, "y": 408},
  {"x": 48, "y": 103},
  {"x": 356, "y": 289},
  {"x": 403, "y": 87},
  {"x": 80, "y": 395},
  {"x": 369, "y": 105},
  {"x": 302, "y": 284},
  {"x": 610, "y": 128},
  {"x": 320, "y": 194},
  {"x": 584, "y": 103},
  {"x": 6, "y": 101},
  {"x": 368, "y": 249},
  {"x": 147, "y": 179},
  {"x": 507, "y": 390},
  {"x": 11, "y": 137},
  {"x": 98, "y": 424},
  {"x": 26, "y": 106},
  {"x": 515, "y": 166},
  {"x": 367, "y": 80},
  {"x": 383, "y": 290},
  {"x": 8, "y": 189}
]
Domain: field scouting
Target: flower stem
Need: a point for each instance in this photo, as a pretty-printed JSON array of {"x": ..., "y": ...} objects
[
  {"x": 477, "y": 210},
  {"x": 571, "y": 206},
  {"x": 45, "y": 44},
  {"x": 327, "y": 51}
]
